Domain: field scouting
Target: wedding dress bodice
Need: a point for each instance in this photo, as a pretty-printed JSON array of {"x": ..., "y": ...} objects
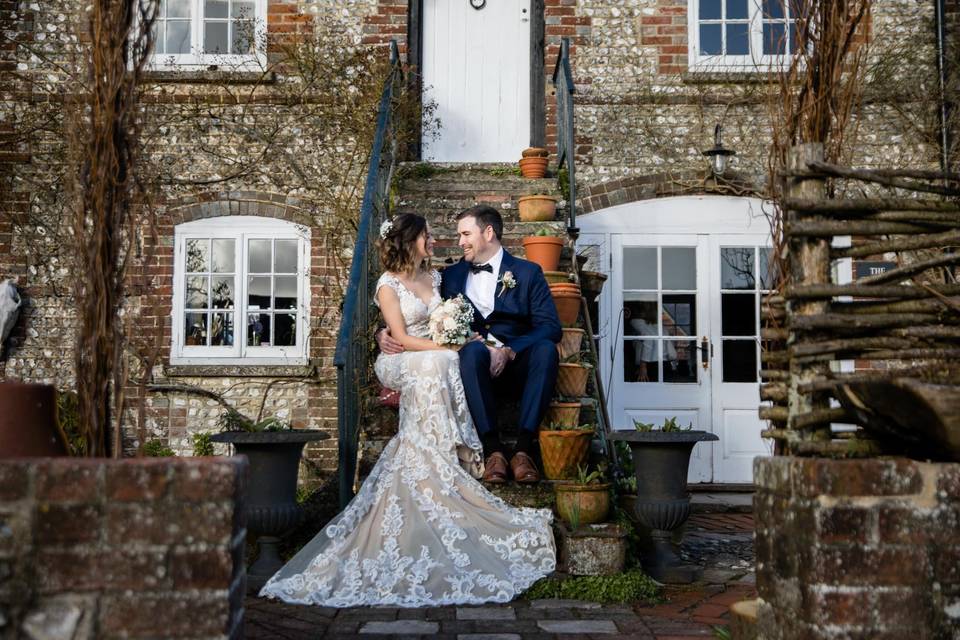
[{"x": 416, "y": 314}]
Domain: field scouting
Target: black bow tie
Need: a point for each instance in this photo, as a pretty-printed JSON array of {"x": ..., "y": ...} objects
[{"x": 477, "y": 268}]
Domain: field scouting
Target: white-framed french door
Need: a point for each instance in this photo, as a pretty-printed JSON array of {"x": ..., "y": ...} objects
[
  {"x": 740, "y": 275},
  {"x": 678, "y": 321},
  {"x": 659, "y": 370},
  {"x": 476, "y": 70}
]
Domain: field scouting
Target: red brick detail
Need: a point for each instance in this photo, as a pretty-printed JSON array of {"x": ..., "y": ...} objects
[
  {"x": 855, "y": 544},
  {"x": 666, "y": 31},
  {"x": 564, "y": 19},
  {"x": 390, "y": 22},
  {"x": 141, "y": 563}
]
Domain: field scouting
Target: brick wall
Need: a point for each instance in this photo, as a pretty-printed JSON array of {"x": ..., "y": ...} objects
[
  {"x": 857, "y": 548},
  {"x": 139, "y": 548}
]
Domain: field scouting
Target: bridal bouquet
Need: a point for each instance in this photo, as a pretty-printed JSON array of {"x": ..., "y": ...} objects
[{"x": 450, "y": 322}]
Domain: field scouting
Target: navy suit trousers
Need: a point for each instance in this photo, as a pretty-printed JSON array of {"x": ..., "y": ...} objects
[{"x": 531, "y": 377}]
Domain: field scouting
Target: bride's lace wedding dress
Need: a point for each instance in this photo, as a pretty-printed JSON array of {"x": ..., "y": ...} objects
[{"x": 422, "y": 530}]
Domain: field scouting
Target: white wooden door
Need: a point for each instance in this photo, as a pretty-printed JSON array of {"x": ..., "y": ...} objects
[
  {"x": 476, "y": 69},
  {"x": 659, "y": 293},
  {"x": 739, "y": 277}
]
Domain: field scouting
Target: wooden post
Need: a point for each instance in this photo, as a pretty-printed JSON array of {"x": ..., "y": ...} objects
[{"x": 808, "y": 264}]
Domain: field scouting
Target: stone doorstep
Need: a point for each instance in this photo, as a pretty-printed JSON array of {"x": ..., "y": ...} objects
[{"x": 486, "y": 613}]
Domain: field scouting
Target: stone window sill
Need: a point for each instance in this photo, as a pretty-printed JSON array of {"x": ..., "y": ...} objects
[
  {"x": 239, "y": 371},
  {"x": 725, "y": 77},
  {"x": 210, "y": 75}
]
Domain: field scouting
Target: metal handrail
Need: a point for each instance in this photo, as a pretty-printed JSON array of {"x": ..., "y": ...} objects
[
  {"x": 566, "y": 149},
  {"x": 351, "y": 357}
]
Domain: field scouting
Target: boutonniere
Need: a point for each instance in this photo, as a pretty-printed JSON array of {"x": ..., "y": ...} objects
[{"x": 507, "y": 281}]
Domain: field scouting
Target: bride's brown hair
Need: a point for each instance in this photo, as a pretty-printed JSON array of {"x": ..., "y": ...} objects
[{"x": 398, "y": 245}]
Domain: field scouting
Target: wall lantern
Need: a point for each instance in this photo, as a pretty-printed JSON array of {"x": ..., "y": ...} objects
[{"x": 719, "y": 155}]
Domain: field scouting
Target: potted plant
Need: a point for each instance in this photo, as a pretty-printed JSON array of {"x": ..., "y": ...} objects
[
  {"x": 537, "y": 207},
  {"x": 572, "y": 377},
  {"x": 661, "y": 459},
  {"x": 591, "y": 283},
  {"x": 273, "y": 448},
  {"x": 569, "y": 344},
  {"x": 556, "y": 277},
  {"x": 568, "y": 305},
  {"x": 563, "y": 448},
  {"x": 544, "y": 249},
  {"x": 585, "y": 499},
  {"x": 533, "y": 166},
  {"x": 534, "y": 152},
  {"x": 563, "y": 413}
]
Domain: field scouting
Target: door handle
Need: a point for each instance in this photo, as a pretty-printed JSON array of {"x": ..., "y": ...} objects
[{"x": 705, "y": 348}]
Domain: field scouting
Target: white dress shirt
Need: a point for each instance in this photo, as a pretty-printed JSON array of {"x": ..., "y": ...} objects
[{"x": 482, "y": 286}]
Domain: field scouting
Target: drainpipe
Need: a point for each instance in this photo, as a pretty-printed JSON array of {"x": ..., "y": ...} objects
[{"x": 942, "y": 76}]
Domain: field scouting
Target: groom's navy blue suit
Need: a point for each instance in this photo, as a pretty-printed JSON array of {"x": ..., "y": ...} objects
[{"x": 524, "y": 318}]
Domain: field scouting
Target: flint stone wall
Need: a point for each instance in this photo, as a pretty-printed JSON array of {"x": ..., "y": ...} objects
[
  {"x": 857, "y": 548},
  {"x": 137, "y": 548}
]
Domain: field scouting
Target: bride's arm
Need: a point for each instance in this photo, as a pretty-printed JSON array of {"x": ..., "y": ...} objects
[{"x": 390, "y": 308}]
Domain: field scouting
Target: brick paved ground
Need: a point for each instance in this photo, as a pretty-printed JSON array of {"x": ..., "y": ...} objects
[{"x": 721, "y": 542}]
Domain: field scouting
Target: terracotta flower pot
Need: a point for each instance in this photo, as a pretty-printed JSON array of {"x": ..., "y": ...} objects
[
  {"x": 572, "y": 379},
  {"x": 556, "y": 277},
  {"x": 563, "y": 451},
  {"x": 534, "y": 152},
  {"x": 537, "y": 208},
  {"x": 592, "y": 283},
  {"x": 533, "y": 167},
  {"x": 583, "y": 503},
  {"x": 562, "y": 414},
  {"x": 568, "y": 306},
  {"x": 570, "y": 342},
  {"x": 543, "y": 250},
  {"x": 571, "y": 287}
]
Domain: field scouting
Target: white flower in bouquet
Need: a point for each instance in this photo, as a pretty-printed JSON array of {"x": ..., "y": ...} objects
[{"x": 450, "y": 322}]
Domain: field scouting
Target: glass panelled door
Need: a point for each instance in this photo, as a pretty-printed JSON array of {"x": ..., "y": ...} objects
[
  {"x": 660, "y": 362},
  {"x": 741, "y": 276}
]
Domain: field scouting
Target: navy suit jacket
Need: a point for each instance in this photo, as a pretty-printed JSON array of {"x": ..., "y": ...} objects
[{"x": 522, "y": 315}]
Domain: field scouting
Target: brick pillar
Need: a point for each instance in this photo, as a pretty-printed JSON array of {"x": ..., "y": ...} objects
[
  {"x": 857, "y": 548},
  {"x": 136, "y": 548}
]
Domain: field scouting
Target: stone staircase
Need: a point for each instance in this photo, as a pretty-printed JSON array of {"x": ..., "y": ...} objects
[{"x": 439, "y": 192}]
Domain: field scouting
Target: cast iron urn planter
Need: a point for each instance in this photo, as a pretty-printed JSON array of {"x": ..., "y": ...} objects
[
  {"x": 661, "y": 461},
  {"x": 272, "y": 508}
]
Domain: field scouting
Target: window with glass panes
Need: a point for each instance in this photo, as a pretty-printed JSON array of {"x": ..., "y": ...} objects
[
  {"x": 659, "y": 314},
  {"x": 741, "y": 33},
  {"x": 239, "y": 294},
  {"x": 207, "y": 31},
  {"x": 746, "y": 275}
]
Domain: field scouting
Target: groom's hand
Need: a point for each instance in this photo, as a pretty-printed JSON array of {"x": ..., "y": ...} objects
[
  {"x": 499, "y": 357},
  {"x": 387, "y": 344}
]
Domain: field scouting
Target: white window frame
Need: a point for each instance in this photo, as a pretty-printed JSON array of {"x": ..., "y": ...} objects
[
  {"x": 196, "y": 60},
  {"x": 241, "y": 229},
  {"x": 755, "y": 61}
]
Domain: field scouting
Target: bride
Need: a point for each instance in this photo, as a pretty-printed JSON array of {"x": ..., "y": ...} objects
[{"x": 422, "y": 530}]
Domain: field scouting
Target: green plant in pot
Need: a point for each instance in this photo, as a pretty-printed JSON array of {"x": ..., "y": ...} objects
[
  {"x": 544, "y": 249},
  {"x": 563, "y": 448},
  {"x": 585, "y": 499}
]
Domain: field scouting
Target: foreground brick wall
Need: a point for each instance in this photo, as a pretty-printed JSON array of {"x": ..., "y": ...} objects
[
  {"x": 137, "y": 548},
  {"x": 857, "y": 548}
]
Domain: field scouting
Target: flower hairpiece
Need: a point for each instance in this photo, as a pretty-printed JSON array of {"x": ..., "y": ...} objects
[{"x": 385, "y": 229}]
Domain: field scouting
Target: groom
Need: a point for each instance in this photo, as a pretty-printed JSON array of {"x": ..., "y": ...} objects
[{"x": 515, "y": 314}]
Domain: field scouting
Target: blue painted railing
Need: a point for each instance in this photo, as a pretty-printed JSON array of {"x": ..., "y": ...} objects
[
  {"x": 352, "y": 356},
  {"x": 566, "y": 144}
]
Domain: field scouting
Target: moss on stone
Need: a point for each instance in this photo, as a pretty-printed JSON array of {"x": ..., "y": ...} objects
[{"x": 631, "y": 586}]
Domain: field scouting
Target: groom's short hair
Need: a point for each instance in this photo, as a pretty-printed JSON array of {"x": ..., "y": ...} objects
[{"x": 486, "y": 216}]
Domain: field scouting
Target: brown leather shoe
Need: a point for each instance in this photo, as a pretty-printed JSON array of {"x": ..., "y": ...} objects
[
  {"x": 495, "y": 469},
  {"x": 523, "y": 468}
]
